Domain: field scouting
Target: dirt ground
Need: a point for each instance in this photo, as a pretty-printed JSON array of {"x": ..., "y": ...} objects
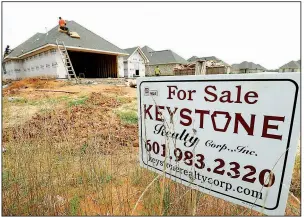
[{"x": 80, "y": 155}]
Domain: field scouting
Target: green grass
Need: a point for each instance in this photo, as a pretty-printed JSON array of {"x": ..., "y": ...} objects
[
  {"x": 128, "y": 117},
  {"x": 74, "y": 205},
  {"x": 79, "y": 101}
]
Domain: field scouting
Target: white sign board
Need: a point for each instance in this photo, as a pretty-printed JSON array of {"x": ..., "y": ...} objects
[{"x": 231, "y": 136}]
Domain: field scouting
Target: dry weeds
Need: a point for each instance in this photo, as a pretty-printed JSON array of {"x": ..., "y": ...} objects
[{"x": 78, "y": 159}]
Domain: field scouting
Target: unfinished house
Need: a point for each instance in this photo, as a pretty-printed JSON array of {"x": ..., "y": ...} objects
[
  {"x": 166, "y": 60},
  {"x": 214, "y": 65},
  {"x": 134, "y": 64},
  {"x": 247, "y": 67},
  {"x": 39, "y": 56},
  {"x": 292, "y": 66}
]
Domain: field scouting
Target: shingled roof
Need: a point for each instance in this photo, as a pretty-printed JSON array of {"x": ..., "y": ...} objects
[
  {"x": 247, "y": 65},
  {"x": 291, "y": 65},
  {"x": 129, "y": 51},
  {"x": 162, "y": 57},
  {"x": 88, "y": 40}
]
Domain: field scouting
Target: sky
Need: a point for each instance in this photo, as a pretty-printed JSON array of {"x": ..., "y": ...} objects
[{"x": 261, "y": 32}]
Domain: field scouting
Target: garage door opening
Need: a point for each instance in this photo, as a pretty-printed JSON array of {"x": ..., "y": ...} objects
[{"x": 94, "y": 65}]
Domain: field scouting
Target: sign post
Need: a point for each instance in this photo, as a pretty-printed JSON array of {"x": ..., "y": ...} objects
[{"x": 231, "y": 136}]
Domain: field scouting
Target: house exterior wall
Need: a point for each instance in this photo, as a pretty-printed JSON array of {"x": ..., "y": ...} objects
[
  {"x": 216, "y": 70},
  {"x": 288, "y": 70},
  {"x": 165, "y": 69},
  {"x": 120, "y": 67},
  {"x": 14, "y": 69},
  {"x": 47, "y": 63},
  {"x": 126, "y": 69},
  {"x": 134, "y": 61}
]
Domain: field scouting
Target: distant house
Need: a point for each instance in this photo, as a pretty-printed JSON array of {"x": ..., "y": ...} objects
[
  {"x": 166, "y": 60},
  {"x": 91, "y": 55},
  {"x": 292, "y": 66},
  {"x": 218, "y": 65},
  {"x": 134, "y": 64},
  {"x": 247, "y": 67}
]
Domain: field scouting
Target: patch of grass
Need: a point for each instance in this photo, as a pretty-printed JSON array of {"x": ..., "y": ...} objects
[
  {"x": 105, "y": 177},
  {"x": 79, "y": 101},
  {"x": 17, "y": 100},
  {"x": 5, "y": 178},
  {"x": 74, "y": 205},
  {"x": 128, "y": 117},
  {"x": 137, "y": 176},
  {"x": 166, "y": 200},
  {"x": 123, "y": 100}
]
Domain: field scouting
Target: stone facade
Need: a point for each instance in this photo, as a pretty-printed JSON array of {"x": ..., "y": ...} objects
[{"x": 165, "y": 69}]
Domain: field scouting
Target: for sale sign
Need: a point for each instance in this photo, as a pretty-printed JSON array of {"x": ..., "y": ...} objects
[{"x": 231, "y": 136}]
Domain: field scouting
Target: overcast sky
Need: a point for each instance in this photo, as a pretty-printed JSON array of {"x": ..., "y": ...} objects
[{"x": 263, "y": 33}]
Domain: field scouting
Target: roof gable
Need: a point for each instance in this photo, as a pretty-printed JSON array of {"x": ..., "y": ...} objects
[
  {"x": 291, "y": 65},
  {"x": 162, "y": 57},
  {"x": 88, "y": 40},
  {"x": 247, "y": 65},
  {"x": 131, "y": 50}
]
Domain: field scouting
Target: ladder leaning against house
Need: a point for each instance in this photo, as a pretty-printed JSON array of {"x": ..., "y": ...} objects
[{"x": 66, "y": 60}]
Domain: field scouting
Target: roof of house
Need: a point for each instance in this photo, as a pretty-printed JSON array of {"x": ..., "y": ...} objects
[
  {"x": 131, "y": 50},
  {"x": 88, "y": 40},
  {"x": 247, "y": 65},
  {"x": 162, "y": 57},
  {"x": 195, "y": 58},
  {"x": 291, "y": 65},
  {"x": 147, "y": 49}
]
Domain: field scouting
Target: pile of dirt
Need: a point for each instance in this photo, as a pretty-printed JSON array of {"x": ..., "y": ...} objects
[
  {"x": 90, "y": 123},
  {"x": 34, "y": 83}
]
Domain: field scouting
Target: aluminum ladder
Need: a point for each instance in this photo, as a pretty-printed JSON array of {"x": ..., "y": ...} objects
[{"x": 66, "y": 60}]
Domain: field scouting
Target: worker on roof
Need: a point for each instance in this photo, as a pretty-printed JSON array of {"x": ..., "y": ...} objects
[
  {"x": 7, "y": 50},
  {"x": 62, "y": 25},
  {"x": 157, "y": 71}
]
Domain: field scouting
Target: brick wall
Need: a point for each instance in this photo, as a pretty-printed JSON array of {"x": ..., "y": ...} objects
[{"x": 165, "y": 69}]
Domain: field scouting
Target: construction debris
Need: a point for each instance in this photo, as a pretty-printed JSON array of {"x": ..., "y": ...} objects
[
  {"x": 132, "y": 83},
  {"x": 211, "y": 67},
  {"x": 74, "y": 35}
]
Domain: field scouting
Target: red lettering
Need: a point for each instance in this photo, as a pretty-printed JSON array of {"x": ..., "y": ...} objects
[
  {"x": 171, "y": 91},
  {"x": 227, "y": 116},
  {"x": 246, "y": 98},
  {"x": 240, "y": 119},
  {"x": 202, "y": 112},
  {"x": 190, "y": 94},
  {"x": 183, "y": 95},
  {"x": 267, "y": 126},
  {"x": 147, "y": 111},
  {"x": 239, "y": 91},
  {"x": 228, "y": 96},
  {"x": 184, "y": 116},
  {"x": 210, "y": 93},
  {"x": 158, "y": 113}
]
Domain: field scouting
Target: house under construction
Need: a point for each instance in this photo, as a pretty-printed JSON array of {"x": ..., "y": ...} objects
[{"x": 91, "y": 56}]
